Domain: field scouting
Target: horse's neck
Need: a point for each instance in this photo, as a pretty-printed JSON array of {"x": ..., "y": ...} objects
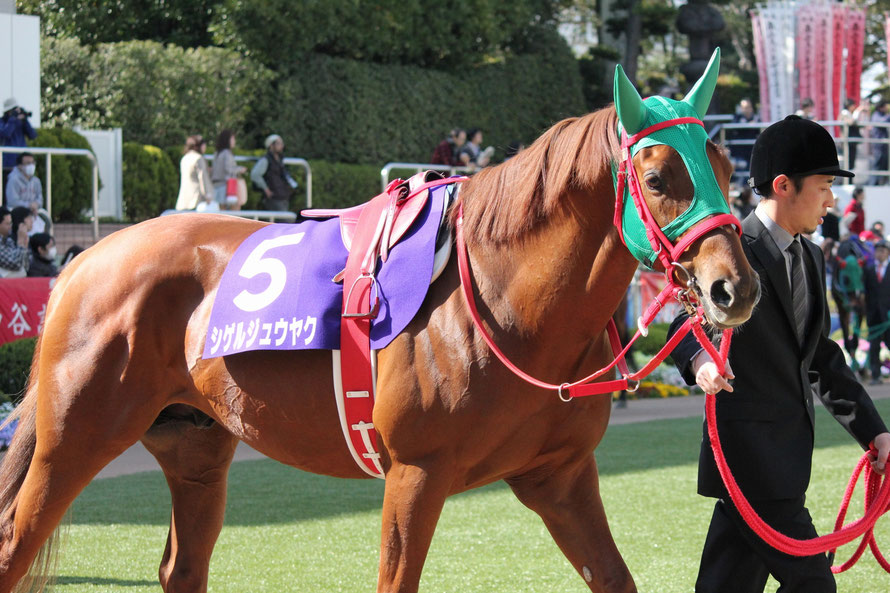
[{"x": 556, "y": 290}]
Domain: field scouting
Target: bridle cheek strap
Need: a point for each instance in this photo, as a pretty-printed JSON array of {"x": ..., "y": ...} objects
[{"x": 666, "y": 251}]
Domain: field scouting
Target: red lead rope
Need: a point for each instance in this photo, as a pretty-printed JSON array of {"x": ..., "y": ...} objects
[
  {"x": 582, "y": 387},
  {"x": 877, "y": 496}
]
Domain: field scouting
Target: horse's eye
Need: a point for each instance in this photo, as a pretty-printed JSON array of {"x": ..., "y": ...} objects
[{"x": 653, "y": 182}]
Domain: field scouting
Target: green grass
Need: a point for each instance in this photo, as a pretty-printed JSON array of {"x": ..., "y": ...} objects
[{"x": 290, "y": 531}]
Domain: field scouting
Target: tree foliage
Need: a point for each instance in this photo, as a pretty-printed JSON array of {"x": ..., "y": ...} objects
[
  {"x": 102, "y": 21},
  {"x": 426, "y": 33},
  {"x": 158, "y": 94}
]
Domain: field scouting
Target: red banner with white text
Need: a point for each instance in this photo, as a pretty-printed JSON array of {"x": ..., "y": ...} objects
[
  {"x": 854, "y": 23},
  {"x": 651, "y": 284},
  {"x": 22, "y": 306}
]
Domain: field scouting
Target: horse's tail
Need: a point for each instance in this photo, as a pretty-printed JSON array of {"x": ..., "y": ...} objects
[{"x": 13, "y": 470}]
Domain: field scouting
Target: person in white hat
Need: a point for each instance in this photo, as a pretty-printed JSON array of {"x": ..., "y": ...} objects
[
  {"x": 271, "y": 176},
  {"x": 14, "y": 127}
]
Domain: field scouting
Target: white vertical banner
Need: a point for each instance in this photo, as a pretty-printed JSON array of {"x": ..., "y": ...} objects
[{"x": 799, "y": 48}]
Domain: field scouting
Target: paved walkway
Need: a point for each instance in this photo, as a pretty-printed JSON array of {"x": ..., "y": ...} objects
[{"x": 136, "y": 459}]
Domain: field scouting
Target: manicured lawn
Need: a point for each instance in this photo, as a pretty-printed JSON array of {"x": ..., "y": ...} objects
[{"x": 291, "y": 531}]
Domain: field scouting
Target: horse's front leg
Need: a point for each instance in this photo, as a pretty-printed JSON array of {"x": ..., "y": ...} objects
[
  {"x": 412, "y": 502},
  {"x": 568, "y": 500}
]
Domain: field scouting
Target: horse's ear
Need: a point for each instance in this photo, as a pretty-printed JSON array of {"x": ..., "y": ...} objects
[
  {"x": 700, "y": 95},
  {"x": 632, "y": 112}
]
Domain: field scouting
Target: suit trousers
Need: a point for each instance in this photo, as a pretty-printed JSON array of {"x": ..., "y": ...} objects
[
  {"x": 874, "y": 352},
  {"x": 736, "y": 560}
]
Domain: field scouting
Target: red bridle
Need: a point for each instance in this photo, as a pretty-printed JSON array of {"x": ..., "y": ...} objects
[{"x": 668, "y": 254}]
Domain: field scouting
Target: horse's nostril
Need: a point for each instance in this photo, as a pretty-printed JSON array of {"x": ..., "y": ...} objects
[{"x": 722, "y": 293}]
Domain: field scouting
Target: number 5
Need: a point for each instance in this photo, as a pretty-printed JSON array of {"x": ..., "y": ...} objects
[{"x": 256, "y": 264}]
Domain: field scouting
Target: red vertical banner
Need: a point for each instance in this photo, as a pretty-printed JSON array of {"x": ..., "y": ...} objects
[
  {"x": 838, "y": 41},
  {"x": 821, "y": 81},
  {"x": 855, "y": 25},
  {"x": 756, "y": 26},
  {"x": 804, "y": 38}
]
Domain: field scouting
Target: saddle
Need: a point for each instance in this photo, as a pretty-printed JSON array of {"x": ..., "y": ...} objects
[
  {"x": 400, "y": 211},
  {"x": 368, "y": 231}
]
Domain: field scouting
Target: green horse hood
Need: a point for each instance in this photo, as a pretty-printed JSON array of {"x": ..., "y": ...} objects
[{"x": 688, "y": 139}]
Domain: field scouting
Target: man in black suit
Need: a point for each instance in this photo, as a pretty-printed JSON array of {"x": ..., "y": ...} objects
[
  {"x": 877, "y": 308},
  {"x": 779, "y": 357}
]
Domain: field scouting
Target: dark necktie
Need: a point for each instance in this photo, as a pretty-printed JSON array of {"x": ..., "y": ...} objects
[{"x": 798, "y": 289}]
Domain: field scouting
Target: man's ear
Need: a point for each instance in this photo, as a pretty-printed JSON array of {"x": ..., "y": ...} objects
[{"x": 782, "y": 185}]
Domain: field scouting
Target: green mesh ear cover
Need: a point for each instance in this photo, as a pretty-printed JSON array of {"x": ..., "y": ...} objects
[{"x": 689, "y": 140}]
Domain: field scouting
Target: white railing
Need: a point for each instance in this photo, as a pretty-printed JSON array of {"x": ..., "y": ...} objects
[
  {"x": 287, "y": 161},
  {"x": 49, "y": 152},
  {"x": 720, "y": 133},
  {"x": 417, "y": 168}
]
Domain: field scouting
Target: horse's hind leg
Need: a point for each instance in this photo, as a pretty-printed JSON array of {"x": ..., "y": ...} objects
[
  {"x": 64, "y": 443},
  {"x": 569, "y": 503},
  {"x": 195, "y": 454}
]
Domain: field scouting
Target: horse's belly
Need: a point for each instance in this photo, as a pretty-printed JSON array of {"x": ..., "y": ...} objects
[{"x": 282, "y": 404}]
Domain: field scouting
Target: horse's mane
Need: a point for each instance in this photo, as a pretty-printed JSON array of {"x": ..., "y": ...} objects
[{"x": 502, "y": 203}]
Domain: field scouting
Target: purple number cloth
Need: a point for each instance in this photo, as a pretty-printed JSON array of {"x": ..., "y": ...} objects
[{"x": 277, "y": 291}]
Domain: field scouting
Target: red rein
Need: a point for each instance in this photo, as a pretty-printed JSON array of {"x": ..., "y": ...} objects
[{"x": 877, "y": 495}]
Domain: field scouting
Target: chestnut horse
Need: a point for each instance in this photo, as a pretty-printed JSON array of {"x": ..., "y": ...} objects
[{"x": 120, "y": 360}]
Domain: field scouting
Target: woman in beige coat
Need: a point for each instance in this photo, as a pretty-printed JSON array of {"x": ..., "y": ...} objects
[{"x": 195, "y": 187}]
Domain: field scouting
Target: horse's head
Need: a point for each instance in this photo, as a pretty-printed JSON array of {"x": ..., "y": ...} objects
[{"x": 676, "y": 186}]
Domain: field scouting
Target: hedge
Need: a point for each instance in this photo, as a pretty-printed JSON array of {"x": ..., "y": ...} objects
[
  {"x": 72, "y": 176},
  {"x": 15, "y": 366},
  {"x": 334, "y": 109},
  {"x": 353, "y": 112},
  {"x": 652, "y": 344},
  {"x": 150, "y": 180}
]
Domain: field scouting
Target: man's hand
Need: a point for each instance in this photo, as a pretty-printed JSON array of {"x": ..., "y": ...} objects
[
  {"x": 22, "y": 236},
  {"x": 708, "y": 377},
  {"x": 882, "y": 445}
]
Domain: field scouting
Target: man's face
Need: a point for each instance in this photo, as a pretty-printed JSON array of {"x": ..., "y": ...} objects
[
  {"x": 881, "y": 254},
  {"x": 805, "y": 208},
  {"x": 278, "y": 146},
  {"x": 747, "y": 108},
  {"x": 6, "y": 225},
  {"x": 27, "y": 165}
]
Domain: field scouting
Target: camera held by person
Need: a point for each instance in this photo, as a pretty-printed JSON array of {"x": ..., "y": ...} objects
[{"x": 14, "y": 129}]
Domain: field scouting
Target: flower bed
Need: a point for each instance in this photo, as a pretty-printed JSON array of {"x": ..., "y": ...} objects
[
  {"x": 664, "y": 381},
  {"x": 6, "y": 431}
]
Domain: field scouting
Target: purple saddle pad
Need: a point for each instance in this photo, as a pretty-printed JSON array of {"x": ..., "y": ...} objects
[{"x": 277, "y": 292}]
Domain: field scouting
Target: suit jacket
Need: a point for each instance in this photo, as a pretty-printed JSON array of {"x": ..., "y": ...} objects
[
  {"x": 877, "y": 295},
  {"x": 766, "y": 425}
]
